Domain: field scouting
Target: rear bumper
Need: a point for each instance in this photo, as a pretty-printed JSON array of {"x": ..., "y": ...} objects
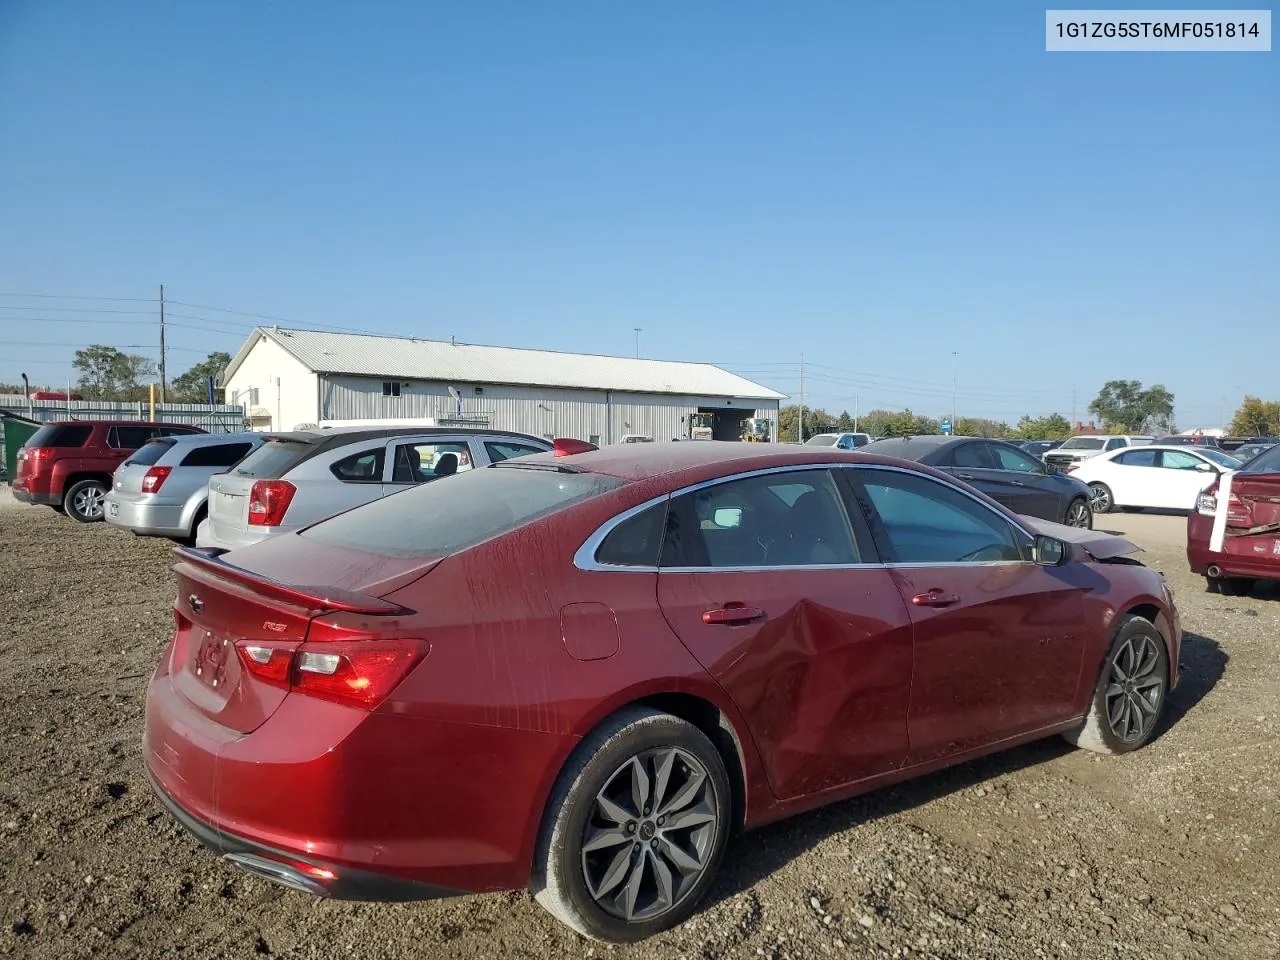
[
  {"x": 207, "y": 537},
  {"x": 1256, "y": 557},
  {"x": 297, "y": 872},
  {"x": 149, "y": 519},
  {"x": 407, "y": 806},
  {"x": 25, "y": 495}
]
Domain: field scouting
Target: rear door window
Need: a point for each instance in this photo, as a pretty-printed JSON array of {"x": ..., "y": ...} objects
[
  {"x": 500, "y": 450},
  {"x": 216, "y": 454},
  {"x": 273, "y": 459},
  {"x": 68, "y": 435},
  {"x": 362, "y": 467},
  {"x": 1136, "y": 458},
  {"x": 973, "y": 455},
  {"x": 795, "y": 518},
  {"x": 150, "y": 453},
  {"x": 1116, "y": 444},
  {"x": 437, "y": 519},
  {"x": 129, "y": 438},
  {"x": 637, "y": 541}
]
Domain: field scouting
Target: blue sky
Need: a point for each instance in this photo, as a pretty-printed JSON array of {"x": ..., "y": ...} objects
[{"x": 871, "y": 186}]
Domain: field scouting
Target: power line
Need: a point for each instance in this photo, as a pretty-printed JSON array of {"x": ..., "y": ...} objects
[
  {"x": 24, "y": 306},
  {"x": 60, "y": 296}
]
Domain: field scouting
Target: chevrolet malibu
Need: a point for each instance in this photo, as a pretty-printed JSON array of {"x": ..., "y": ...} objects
[{"x": 582, "y": 672}]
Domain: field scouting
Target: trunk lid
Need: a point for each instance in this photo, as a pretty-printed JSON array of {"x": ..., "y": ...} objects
[
  {"x": 1255, "y": 504},
  {"x": 229, "y": 492},
  {"x": 228, "y": 505},
  {"x": 224, "y": 610},
  {"x": 127, "y": 480}
]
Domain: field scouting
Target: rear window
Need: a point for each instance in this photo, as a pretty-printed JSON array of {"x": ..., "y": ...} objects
[
  {"x": 216, "y": 454},
  {"x": 454, "y": 513},
  {"x": 273, "y": 459},
  {"x": 70, "y": 435},
  {"x": 1268, "y": 462},
  {"x": 150, "y": 453}
]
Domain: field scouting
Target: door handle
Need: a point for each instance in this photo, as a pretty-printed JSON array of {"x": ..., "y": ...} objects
[
  {"x": 966, "y": 476},
  {"x": 732, "y": 613},
  {"x": 1016, "y": 483},
  {"x": 935, "y": 598}
]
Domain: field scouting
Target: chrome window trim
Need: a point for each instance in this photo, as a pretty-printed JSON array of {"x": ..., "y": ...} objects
[{"x": 584, "y": 557}]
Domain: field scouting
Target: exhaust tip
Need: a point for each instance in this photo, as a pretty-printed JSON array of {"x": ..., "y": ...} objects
[
  {"x": 1214, "y": 571},
  {"x": 277, "y": 872}
]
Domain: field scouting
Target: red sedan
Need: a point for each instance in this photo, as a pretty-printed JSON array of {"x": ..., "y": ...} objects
[
  {"x": 582, "y": 673},
  {"x": 1233, "y": 534}
]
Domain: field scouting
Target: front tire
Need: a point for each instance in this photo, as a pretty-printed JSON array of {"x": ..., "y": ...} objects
[
  {"x": 86, "y": 501},
  {"x": 1078, "y": 514},
  {"x": 1104, "y": 500},
  {"x": 635, "y": 829},
  {"x": 1129, "y": 699}
]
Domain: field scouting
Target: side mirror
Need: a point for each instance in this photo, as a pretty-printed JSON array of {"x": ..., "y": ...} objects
[
  {"x": 1204, "y": 468},
  {"x": 727, "y": 517},
  {"x": 1050, "y": 552}
]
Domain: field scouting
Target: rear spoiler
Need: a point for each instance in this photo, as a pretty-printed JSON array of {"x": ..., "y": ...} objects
[{"x": 321, "y": 599}]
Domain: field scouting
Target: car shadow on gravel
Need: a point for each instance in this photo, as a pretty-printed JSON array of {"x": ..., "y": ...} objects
[{"x": 758, "y": 854}]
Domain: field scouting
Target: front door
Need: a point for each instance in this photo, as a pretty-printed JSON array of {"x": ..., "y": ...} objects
[
  {"x": 998, "y": 639},
  {"x": 767, "y": 584}
]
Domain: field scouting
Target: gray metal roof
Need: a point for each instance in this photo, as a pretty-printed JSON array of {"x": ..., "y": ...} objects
[{"x": 372, "y": 356}]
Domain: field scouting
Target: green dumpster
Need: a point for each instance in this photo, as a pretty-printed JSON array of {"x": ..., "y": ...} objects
[{"x": 17, "y": 431}]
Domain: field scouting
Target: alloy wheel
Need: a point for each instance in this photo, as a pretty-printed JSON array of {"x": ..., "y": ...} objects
[
  {"x": 1135, "y": 688},
  {"x": 1079, "y": 514},
  {"x": 89, "y": 502},
  {"x": 1101, "y": 498},
  {"x": 650, "y": 835}
]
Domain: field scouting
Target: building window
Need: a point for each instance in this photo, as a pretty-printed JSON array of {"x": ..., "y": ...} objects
[
  {"x": 594, "y": 438},
  {"x": 391, "y": 388}
]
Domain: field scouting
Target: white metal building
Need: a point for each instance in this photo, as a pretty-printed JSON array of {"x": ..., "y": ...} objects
[{"x": 289, "y": 378}]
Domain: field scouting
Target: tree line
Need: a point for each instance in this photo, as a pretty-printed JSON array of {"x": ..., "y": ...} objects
[{"x": 105, "y": 373}]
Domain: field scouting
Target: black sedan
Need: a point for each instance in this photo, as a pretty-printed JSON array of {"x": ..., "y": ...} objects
[{"x": 1001, "y": 471}]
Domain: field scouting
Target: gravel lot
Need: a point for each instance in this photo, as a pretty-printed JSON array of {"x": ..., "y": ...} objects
[{"x": 1173, "y": 852}]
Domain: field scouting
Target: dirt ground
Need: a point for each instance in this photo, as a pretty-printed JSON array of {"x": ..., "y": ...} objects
[{"x": 1172, "y": 852}]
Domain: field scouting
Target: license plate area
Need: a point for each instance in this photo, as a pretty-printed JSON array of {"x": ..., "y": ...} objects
[
  {"x": 113, "y": 510},
  {"x": 213, "y": 655}
]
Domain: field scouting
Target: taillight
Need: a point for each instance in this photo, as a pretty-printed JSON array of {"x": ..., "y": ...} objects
[
  {"x": 1207, "y": 502},
  {"x": 268, "y": 501},
  {"x": 155, "y": 478},
  {"x": 35, "y": 453},
  {"x": 359, "y": 673}
]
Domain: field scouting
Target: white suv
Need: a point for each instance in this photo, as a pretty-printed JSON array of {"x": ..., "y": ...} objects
[{"x": 1079, "y": 449}]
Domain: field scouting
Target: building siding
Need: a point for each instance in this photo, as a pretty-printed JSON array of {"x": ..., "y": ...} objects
[
  {"x": 286, "y": 391},
  {"x": 605, "y": 416}
]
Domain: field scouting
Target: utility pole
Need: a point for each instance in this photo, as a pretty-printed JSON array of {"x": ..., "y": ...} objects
[
  {"x": 857, "y": 402},
  {"x": 955, "y": 357},
  {"x": 800, "y": 422},
  {"x": 162, "y": 343},
  {"x": 637, "y": 330},
  {"x": 1073, "y": 408}
]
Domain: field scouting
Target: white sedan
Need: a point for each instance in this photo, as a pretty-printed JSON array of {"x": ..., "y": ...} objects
[{"x": 1160, "y": 477}]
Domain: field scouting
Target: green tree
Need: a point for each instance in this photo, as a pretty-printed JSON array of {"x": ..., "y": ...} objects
[
  {"x": 1256, "y": 418},
  {"x": 1126, "y": 407},
  {"x": 888, "y": 423},
  {"x": 1053, "y": 427},
  {"x": 977, "y": 427},
  {"x": 108, "y": 374},
  {"x": 815, "y": 421},
  {"x": 193, "y": 386},
  {"x": 844, "y": 422}
]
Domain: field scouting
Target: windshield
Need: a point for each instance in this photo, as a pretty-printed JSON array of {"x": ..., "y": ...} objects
[
  {"x": 457, "y": 512},
  {"x": 1083, "y": 443},
  {"x": 1220, "y": 458},
  {"x": 821, "y": 440},
  {"x": 1268, "y": 462}
]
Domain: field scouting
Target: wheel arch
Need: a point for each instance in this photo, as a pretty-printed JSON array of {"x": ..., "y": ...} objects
[{"x": 75, "y": 476}]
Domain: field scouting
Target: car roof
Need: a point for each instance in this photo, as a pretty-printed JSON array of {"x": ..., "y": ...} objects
[
  {"x": 206, "y": 439},
  {"x": 699, "y": 459},
  {"x": 340, "y": 436},
  {"x": 118, "y": 423}
]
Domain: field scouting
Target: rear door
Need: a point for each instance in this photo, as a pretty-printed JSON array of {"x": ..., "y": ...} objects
[
  {"x": 975, "y": 463},
  {"x": 998, "y": 639},
  {"x": 1133, "y": 476},
  {"x": 768, "y": 585},
  {"x": 1027, "y": 475}
]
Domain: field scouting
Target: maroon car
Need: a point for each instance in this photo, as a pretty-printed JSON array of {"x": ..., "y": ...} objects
[
  {"x": 68, "y": 464},
  {"x": 582, "y": 673},
  {"x": 1233, "y": 534}
]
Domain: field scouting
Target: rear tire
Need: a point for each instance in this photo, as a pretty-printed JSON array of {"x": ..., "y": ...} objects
[
  {"x": 86, "y": 501},
  {"x": 650, "y": 794},
  {"x": 1103, "y": 499},
  {"x": 1129, "y": 698},
  {"x": 1231, "y": 586}
]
